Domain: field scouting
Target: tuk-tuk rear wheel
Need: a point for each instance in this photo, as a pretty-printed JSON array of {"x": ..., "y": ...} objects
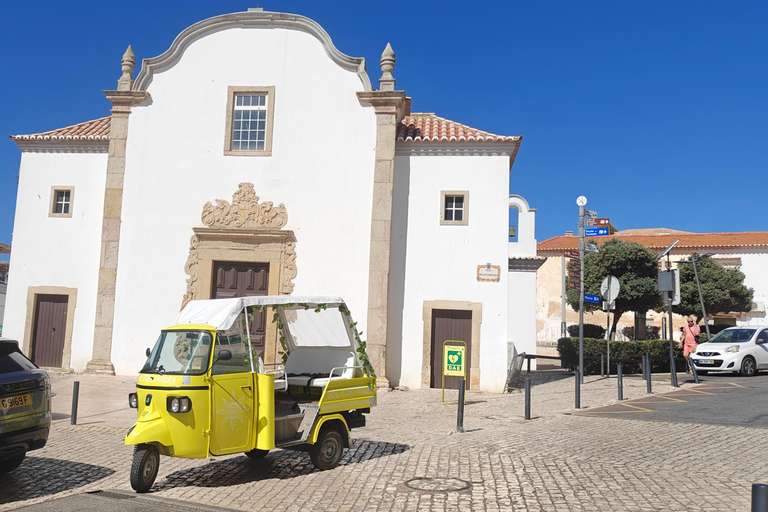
[
  {"x": 327, "y": 451},
  {"x": 257, "y": 454},
  {"x": 146, "y": 462}
]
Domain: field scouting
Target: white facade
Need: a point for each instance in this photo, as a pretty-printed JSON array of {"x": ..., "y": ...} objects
[{"x": 324, "y": 156}]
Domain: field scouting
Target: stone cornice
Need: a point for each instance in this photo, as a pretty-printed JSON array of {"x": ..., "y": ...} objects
[
  {"x": 63, "y": 146},
  {"x": 122, "y": 101},
  {"x": 385, "y": 102},
  {"x": 525, "y": 264},
  {"x": 249, "y": 19}
]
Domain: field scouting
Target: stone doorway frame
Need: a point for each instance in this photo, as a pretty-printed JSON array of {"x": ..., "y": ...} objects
[
  {"x": 244, "y": 231},
  {"x": 29, "y": 322},
  {"x": 477, "y": 318}
]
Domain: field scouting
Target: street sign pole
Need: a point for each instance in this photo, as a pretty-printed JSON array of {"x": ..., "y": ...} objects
[{"x": 581, "y": 201}]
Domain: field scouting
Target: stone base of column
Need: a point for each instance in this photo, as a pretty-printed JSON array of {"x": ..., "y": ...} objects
[
  {"x": 382, "y": 382},
  {"x": 100, "y": 366}
]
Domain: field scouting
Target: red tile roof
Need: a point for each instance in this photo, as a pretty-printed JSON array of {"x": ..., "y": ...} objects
[
  {"x": 431, "y": 128},
  {"x": 98, "y": 129},
  {"x": 689, "y": 242}
]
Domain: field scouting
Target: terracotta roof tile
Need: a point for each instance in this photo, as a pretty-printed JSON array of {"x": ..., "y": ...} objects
[
  {"x": 431, "y": 128},
  {"x": 688, "y": 241},
  {"x": 98, "y": 129}
]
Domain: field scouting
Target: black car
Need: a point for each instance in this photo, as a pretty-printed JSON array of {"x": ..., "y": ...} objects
[{"x": 25, "y": 406}]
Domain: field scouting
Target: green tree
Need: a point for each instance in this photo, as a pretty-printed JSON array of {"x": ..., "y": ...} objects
[
  {"x": 723, "y": 289},
  {"x": 636, "y": 268}
]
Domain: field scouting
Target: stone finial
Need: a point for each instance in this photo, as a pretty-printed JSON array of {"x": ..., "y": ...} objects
[
  {"x": 387, "y": 81},
  {"x": 128, "y": 64}
]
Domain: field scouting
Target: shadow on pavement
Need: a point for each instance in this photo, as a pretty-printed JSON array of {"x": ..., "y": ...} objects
[
  {"x": 279, "y": 464},
  {"x": 41, "y": 476}
]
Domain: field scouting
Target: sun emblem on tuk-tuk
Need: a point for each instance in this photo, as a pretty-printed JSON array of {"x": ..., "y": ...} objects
[{"x": 233, "y": 411}]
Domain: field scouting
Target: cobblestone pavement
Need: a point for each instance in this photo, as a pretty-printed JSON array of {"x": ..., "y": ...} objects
[{"x": 410, "y": 458}]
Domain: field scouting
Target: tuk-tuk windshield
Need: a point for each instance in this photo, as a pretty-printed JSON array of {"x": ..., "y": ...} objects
[{"x": 180, "y": 352}]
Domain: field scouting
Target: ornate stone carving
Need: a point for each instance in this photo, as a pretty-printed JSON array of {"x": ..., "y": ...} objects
[
  {"x": 244, "y": 212},
  {"x": 387, "y": 81},
  {"x": 190, "y": 268},
  {"x": 127, "y": 64},
  {"x": 289, "y": 268}
]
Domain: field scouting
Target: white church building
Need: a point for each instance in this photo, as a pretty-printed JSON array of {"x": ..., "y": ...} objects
[{"x": 285, "y": 173}]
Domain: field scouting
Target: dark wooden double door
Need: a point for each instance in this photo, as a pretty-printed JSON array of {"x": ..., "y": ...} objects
[
  {"x": 450, "y": 324},
  {"x": 233, "y": 279}
]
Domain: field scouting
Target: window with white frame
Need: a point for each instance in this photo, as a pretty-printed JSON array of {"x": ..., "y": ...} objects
[
  {"x": 249, "y": 121},
  {"x": 61, "y": 201},
  {"x": 454, "y": 207}
]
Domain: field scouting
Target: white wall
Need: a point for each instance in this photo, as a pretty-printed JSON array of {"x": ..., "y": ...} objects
[
  {"x": 57, "y": 251},
  {"x": 755, "y": 268},
  {"x": 441, "y": 261},
  {"x": 321, "y": 168}
]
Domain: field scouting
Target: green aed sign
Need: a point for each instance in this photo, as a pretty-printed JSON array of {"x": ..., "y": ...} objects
[{"x": 453, "y": 361}]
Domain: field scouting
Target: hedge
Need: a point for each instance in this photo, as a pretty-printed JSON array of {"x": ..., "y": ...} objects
[{"x": 568, "y": 348}]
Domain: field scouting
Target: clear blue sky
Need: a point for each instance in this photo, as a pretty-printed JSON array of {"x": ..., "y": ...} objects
[{"x": 656, "y": 111}]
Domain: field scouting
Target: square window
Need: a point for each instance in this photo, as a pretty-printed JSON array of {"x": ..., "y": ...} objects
[
  {"x": 61, "y": 201},
  {"x": 454, "y": 207},
  {"x": 249, "y": 121}
]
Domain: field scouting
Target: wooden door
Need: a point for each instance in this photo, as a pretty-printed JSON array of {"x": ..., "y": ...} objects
[
  {"x": 232, "y": 279},
  {"x": 50, "y": 326},
  {"x": 449, "y": 324}
]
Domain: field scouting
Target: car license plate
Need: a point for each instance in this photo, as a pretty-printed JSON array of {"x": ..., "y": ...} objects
[
  {"x": 15, "y": 401},
  {"x": 706, "y": 361}
]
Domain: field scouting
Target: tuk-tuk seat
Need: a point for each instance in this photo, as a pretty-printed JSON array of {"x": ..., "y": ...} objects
[{"x": 314, "y": 367}]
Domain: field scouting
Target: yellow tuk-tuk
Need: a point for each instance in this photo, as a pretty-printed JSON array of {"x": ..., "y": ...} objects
[{"x": 204, "y": 390}]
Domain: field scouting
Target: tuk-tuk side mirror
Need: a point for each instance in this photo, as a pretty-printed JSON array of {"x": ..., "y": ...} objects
[
  {"x": 149, "y": 351},
  {"x": 224, "y": 355}
]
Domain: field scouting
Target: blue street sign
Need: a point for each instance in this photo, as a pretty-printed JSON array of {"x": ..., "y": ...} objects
[
  {"x": 595, "y": 231},
  {"x": 595, "y": 299}
]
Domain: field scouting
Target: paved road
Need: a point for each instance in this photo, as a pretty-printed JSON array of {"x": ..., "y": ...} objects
[
  {"x": 408, "y": 458},
  {"x": 721, "y": 399}
]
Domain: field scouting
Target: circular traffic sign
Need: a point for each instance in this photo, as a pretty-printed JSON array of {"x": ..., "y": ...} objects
[
  {"x": 581, "y": 201},
  {"x": 609, "y": 288}
]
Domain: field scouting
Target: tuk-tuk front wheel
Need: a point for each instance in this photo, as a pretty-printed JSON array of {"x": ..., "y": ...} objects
[
  {"x": 146, "y": 462},
  {"x": 327, "y": 451}
]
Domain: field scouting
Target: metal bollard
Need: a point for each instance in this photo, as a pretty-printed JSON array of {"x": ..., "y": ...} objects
[
  {"x": 649, "y": 380},
  {"x": 693, "y": 371},
  {"x": 673, "y": 371},
  {"x": 621, "y": 383},
  {"x": 602, "y": 362},
  {"x": 578, "y": 389},
  {"x": 75, "y": 394},
  {"x": 759, "y": 497},
  {"x": 528, "y": 398},
  {"x": 460, "y": 416}
]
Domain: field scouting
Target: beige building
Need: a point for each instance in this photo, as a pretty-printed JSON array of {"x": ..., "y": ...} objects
[{"x": 746, "y": 251}]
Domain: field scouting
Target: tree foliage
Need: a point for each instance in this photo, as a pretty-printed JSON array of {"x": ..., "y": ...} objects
[
  {"x": 635, "y": 267},
  {"x": 723, "y": 289}
]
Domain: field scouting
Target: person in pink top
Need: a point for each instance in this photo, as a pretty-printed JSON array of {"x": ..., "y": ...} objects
[{"x": 688, "y": 340}]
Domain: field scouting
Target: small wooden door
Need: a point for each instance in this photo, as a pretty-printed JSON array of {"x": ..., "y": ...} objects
[
  {"x": 232, "y": 279},
  {"x": 449, "y": 324},
  {"x": 50, "y": 326}
]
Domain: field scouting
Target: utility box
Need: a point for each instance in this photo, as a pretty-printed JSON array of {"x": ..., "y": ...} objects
[{"x": 669, "y": 285}]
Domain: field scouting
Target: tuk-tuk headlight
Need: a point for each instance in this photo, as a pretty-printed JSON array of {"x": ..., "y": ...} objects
[
  {"x": 133, "y": 400},
  {"x": 178, "y": 404}
]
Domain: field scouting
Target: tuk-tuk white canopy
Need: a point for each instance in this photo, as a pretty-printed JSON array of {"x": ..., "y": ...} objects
[{"x": 222, "y": 313}]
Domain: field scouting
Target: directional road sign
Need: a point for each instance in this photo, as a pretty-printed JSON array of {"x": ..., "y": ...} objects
[
  {"x": 574, "y": 286},
  {"x": 595, "y": 299},
  {"x": 589, "y": 213},
  {"x": 595, "y": 231},
  {"x": 591, "y": 247},
  {"x": 596, "y": 222},
  {"x": 569, "y": 253},
  {"x": 574, "y": 264},
  {"x": 574, "y": 274}
]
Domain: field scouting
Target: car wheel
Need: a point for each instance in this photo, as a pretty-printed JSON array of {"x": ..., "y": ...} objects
[
  {"x": 146, "y": 461},
  {"x": 327, "y": 451},
  {"x": 257, "y": 454},
  {"x": 9, "y": 465},
  {"x": 748, "y": 367}
]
